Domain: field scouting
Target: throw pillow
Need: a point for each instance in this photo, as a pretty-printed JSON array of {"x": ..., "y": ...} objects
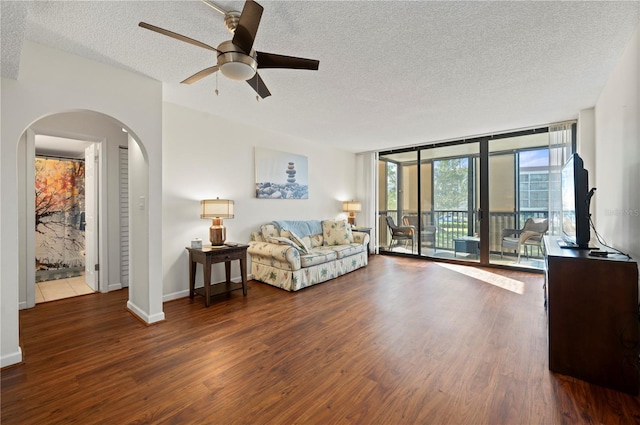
[
  {"x": 336, "y": 232},
  {"x": 283, "y": 241},
  {"x": 305, "y": 248},
  {"x": 268, "y": 231},
  {"x": 316, "y": 240}
]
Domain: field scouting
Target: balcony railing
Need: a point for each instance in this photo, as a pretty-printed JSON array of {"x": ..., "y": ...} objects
[{"x": 453, "y": 224}]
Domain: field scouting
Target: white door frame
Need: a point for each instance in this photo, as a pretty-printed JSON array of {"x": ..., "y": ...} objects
[
  {"x": 30, "y": 218},
  {"x": 91, "y": 208}
]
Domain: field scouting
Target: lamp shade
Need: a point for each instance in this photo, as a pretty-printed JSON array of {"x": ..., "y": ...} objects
[
  {"x": 351, "y": 206},
  {"x": 216, "y": 208}
]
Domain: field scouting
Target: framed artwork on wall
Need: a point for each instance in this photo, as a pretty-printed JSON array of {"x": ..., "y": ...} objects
[{"x": 281, "y": 175}]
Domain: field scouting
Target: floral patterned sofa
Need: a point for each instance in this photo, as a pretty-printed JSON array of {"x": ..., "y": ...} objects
[{"x": 296, "y": 254}]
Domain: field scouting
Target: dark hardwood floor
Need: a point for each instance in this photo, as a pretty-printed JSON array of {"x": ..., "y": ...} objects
[{"x": 402, "y": 341}]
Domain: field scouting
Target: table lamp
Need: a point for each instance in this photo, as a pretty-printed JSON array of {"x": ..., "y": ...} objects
[
  {"x": 216, "y": 210},
  {"x": 352, "y": 207}
]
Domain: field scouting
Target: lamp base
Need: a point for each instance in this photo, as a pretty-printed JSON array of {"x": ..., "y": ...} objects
[
  {"x": 217, "y": 232},
  {"x": 352, "y": 219}
]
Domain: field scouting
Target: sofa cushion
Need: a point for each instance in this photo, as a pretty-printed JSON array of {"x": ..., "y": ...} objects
[
  {"x": 347, "y": 250},
  {"x": 317, "y": 256},
  {"x": 336, "y": 232}
]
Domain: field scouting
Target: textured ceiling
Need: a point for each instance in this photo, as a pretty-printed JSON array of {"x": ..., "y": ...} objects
[{"x": 391, "y": 74}]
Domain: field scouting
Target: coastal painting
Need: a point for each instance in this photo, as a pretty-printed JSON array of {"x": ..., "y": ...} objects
[{"x": 281, "y": 175}]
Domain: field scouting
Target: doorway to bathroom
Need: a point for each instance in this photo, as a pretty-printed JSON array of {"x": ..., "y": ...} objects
[{"x": 65, "y": 217}]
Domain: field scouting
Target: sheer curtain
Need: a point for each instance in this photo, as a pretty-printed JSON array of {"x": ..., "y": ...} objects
[
  {"x": 561, "y": 146},
  {"x": 367, "y": 190}
]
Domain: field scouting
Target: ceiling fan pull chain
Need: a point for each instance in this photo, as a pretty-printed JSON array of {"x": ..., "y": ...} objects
[
  {"x": 217, "y": 93},
  {"x": 258, "y": 90}
]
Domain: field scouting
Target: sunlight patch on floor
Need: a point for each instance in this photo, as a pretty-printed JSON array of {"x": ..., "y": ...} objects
[{"x": 488, "y": 277}]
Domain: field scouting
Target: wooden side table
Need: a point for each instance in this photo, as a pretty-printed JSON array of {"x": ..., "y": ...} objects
[{"x": 208, "y": 255}]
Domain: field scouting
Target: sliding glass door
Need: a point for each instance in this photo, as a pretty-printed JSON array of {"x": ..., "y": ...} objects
[
  {"x": 432, "y": 195},
  {"x": 397, "y": 198},
  {"x": 470, "y": 200},
  {"x": 450, "y": 226},
  {"x": 520, "y": 182}
]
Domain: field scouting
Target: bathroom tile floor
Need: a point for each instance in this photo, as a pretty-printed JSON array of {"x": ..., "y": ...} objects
[{"x": 61, "y": 288}]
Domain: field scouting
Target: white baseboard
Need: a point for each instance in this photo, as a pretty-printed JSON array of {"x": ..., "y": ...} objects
[
  {"x": 114, "y": 287},
  {"x": 175, "y": 295},
  {"x": 11, "y": 358},
  {"x": 22, "y": 305},
  {"x": 149, "y": 319}
]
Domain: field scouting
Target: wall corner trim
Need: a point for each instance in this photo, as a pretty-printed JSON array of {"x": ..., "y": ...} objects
[
  {"x": 11, "y": 358},
  {"x": 146, "y": 318}
]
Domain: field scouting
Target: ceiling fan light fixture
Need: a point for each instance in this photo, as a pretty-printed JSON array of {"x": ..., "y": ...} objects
[
  {"x": 235, "y": 64},
  {"x": 237, "y": 71}
]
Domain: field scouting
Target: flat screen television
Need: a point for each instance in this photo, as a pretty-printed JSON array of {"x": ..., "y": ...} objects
[{"x": 576, "y": 199}]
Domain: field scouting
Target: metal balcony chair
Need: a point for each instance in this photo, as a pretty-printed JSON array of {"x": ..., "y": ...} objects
[
  {"x": 400, "y": 233},
  {"x": 529, "y": 236}
]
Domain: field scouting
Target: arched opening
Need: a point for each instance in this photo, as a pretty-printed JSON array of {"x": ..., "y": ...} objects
[{"x": 109, "y": 137}]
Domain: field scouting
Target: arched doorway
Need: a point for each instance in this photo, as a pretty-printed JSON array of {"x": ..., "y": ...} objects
[{"x": 107, "y": 136}]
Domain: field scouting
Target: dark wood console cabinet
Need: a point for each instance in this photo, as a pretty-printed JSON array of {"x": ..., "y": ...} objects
[{"x": 592, "y": 312}]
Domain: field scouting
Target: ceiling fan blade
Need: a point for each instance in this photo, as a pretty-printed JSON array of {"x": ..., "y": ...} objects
[
  {"x": 258, "y": 85},
  {"x": 200, "y": 75},
  {"x": 176, "y": 36},
  {"x": 270, "y": 60},
  {"x": 247, "y": 26}
]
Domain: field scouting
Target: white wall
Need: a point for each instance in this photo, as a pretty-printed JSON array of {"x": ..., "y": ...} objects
[
  {"x": 586, "y": 145},
  {"x": 139, "y": 298},
  {"x": 617, "y": 175},
  {"x": 51, "y": 82},
  {"x": 206, "y": 156}
]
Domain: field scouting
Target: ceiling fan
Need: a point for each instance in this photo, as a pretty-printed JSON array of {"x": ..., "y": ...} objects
[{"x": 236, "y": 58}]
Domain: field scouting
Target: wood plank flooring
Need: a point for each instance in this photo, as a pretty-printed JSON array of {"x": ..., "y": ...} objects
[{"x": 402, "y": 341}]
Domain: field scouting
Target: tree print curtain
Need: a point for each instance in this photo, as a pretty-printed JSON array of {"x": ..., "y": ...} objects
[{"x": 59, "y": 218}]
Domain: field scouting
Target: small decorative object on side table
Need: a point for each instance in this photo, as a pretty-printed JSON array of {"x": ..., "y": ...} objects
[{"x": 208, "y": 255}]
